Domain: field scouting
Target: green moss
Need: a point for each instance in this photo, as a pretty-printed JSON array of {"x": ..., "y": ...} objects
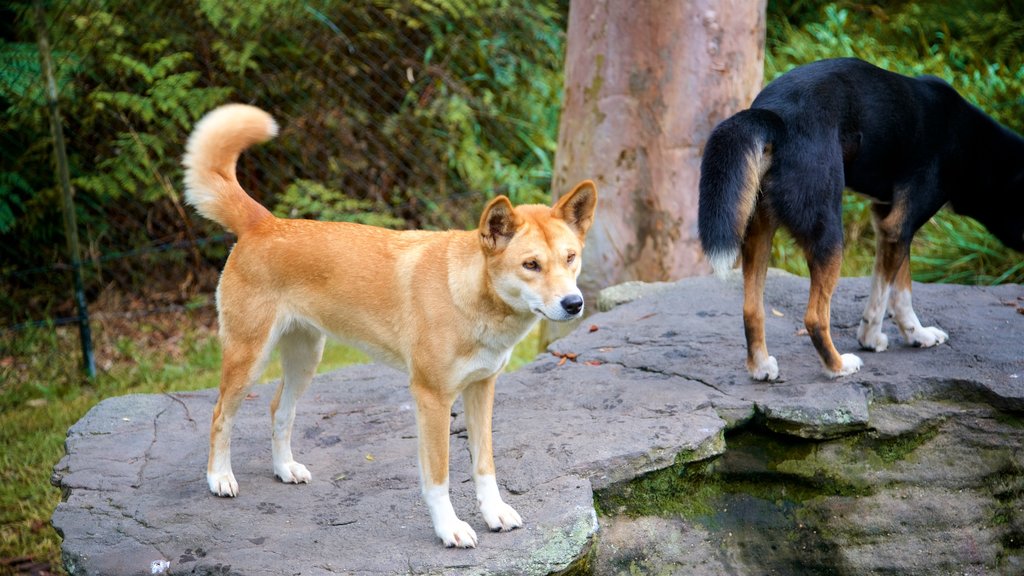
[
  {"x": 591, "y": 92},
  {"x": 899, "y": 448},
  {"x": 1007, "y": 489},
  {"x": 582, "y": 566},
  {"x": 574, "y": 545},
  {"x": 759, "y": 464},
  {"x": 686, "y": 489},
  {"x": 1014, "y": 419}
]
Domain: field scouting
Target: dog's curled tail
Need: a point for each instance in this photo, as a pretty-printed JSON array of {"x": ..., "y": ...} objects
[
  {"x": 736, "y": 157},
  {"x": 210, "y": 157}
]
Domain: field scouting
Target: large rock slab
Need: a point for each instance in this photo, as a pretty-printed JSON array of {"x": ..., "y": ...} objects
[
  {"x": 695, "y": 331},
  {"x": 654, "y": 383},
  {"x": 136, "y": 495}
]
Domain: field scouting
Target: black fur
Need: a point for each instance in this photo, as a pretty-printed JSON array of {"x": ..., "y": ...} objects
[{"x": 846, "y": 123}]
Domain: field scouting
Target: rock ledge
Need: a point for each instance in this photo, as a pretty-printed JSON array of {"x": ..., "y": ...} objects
[{"x": 658, "y": 383}]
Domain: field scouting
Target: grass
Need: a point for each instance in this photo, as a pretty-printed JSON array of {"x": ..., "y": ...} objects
[{"x": 42, "y": 395}]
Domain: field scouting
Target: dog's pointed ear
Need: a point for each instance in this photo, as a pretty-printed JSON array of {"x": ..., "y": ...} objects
[
  {"x": 577, "y": 207},
  {"x": 498, "y": 224}
]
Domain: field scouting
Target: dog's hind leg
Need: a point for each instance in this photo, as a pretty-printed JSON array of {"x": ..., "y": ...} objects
[
  {"x": 756, "y": 252},
  {"x": 478, "y": 399},
  {"x": 807, "y": 197},
  {"x": 245, "y": 339},
  {"x": 824, "y": 277},
  {"x": 301, "y": 350},
  {"x": 433, "y": 424}
]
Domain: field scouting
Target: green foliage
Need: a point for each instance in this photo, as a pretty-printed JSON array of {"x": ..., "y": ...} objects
[
  {"x": 483, "y": 99},
  {"x": 976, "y": 46},
  {"x": 308, "y": 199},
  {"x": 416, "y": 111}
]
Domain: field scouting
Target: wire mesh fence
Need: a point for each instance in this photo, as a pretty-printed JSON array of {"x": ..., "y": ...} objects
[{"x": 407, "y": 113}]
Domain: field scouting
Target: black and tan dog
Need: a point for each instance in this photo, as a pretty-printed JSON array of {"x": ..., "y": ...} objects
[{"x": 911, "y": 144}]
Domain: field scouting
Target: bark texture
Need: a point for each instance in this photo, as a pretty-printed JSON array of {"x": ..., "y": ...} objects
[{"x": 645, "y": 82}]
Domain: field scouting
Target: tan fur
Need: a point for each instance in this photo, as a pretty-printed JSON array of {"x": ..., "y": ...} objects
[
  {"x": 755, "y": 253},
  {"x": 447, "y": 307},
  {"x": 757, "y": 164},
  {"x": 817, "y": 318}
]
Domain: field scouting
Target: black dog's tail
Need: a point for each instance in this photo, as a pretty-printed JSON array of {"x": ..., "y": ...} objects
[{"x": 736, "y": 157}]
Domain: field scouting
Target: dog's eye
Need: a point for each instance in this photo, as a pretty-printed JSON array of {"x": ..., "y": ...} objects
[
  {"x": 531, "y": 265},
  {"x": 571, "y": 258}
]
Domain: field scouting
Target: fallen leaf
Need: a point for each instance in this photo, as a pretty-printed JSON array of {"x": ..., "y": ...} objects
[
  {"x": 777, "y": 313},
  {"x": 370, "y": 457},
  {"x": 592, "y": 363},
  {"x": 593, "y": 328},
  {"x": 563, "y": 356}
]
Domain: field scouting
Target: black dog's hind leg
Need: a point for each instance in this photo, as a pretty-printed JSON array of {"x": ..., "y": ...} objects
[
  {"x": 824, "y": 277},
  {"x": 756, "y": 252},
  {"x": 807, "y": 196}
]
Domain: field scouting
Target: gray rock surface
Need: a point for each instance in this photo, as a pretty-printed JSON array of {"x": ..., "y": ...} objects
[{"x": 656, "y": 384}]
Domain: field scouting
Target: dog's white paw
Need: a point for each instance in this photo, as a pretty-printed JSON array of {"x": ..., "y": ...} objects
[
  {"x": 851, "y": 363},
  {"x": 456, "y": 534},
  {"x": 500, "y": 517},
  {"x": 292, "y": 473},
  {"x": 876, "y": 342},
  {"x": 768, "y": 369},
  {"x": 223, "y": 484},
  {"x": 926, "y": 337}
]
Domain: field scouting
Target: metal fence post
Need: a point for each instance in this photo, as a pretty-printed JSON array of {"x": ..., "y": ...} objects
[{"x": 70, "y": 222}]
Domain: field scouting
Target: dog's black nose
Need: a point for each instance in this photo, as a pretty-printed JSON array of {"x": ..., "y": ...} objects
[{"x": 572, "y": 304}]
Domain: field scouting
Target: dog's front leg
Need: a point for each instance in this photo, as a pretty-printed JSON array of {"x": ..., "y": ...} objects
[
  {"x": 906, "y": 320},
  {"x": 478, "y": 399},
  {"x": 433, "y": 422},
  {"x": 892, "y": 281}
]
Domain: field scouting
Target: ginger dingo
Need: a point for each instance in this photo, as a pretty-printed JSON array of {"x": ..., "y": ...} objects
[{"x": 447, "y": 307}]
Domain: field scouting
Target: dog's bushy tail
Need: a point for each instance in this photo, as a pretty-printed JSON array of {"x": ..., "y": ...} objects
[
  {"x": 736, "y": 157},
  {"x": 210, "y": 157}
]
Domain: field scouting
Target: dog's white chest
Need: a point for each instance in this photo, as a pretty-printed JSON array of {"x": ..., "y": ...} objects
[{"x": 486, "y": 362}]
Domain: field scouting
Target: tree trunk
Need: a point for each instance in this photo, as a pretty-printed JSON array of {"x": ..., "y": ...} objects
[{"x": 645, "y": 82}]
